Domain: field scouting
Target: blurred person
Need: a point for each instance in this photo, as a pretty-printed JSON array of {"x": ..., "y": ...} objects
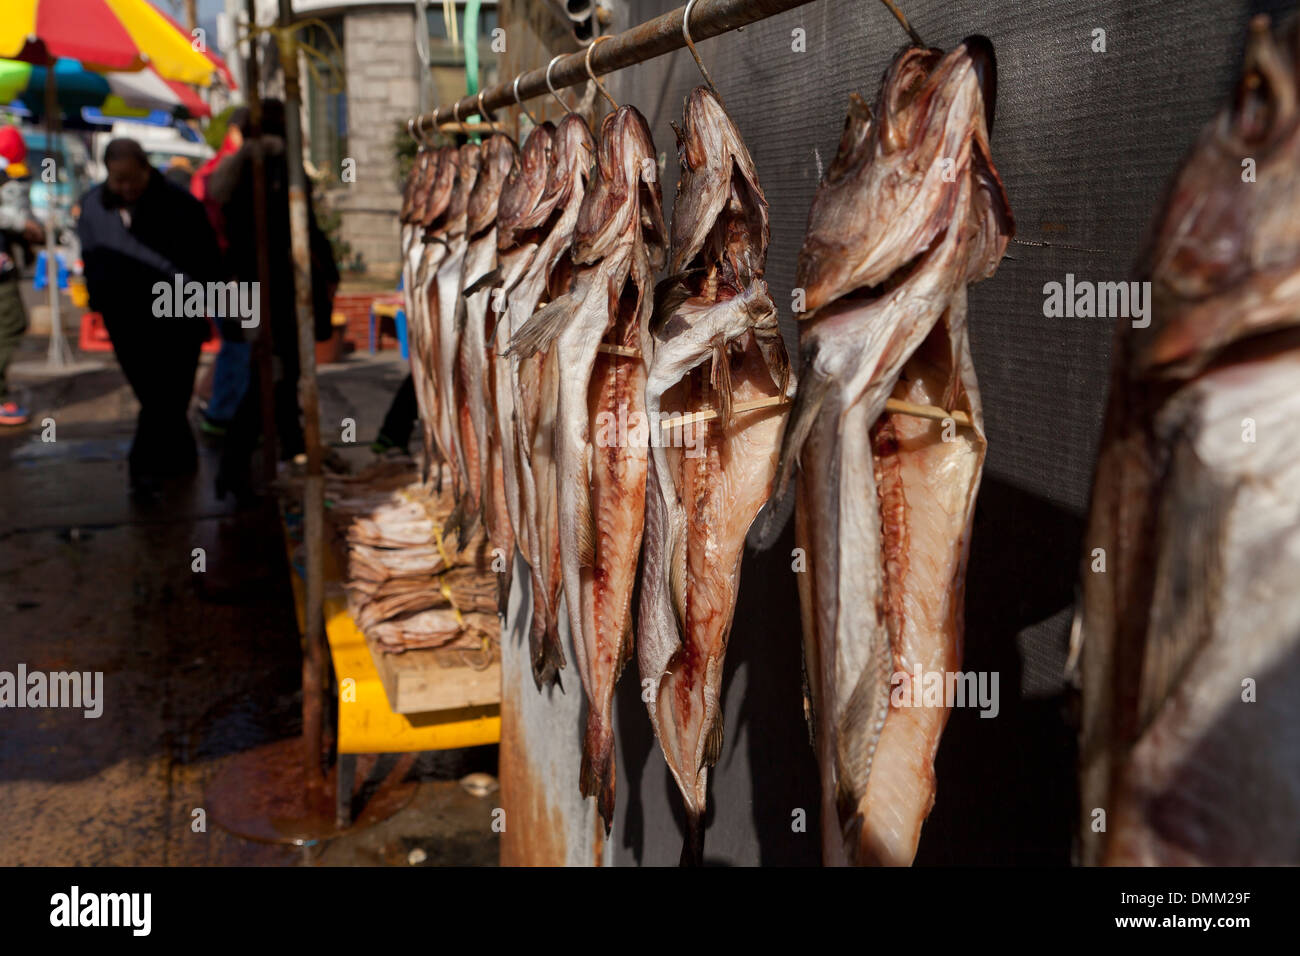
[
  {"x": 179, "y": 171},
  {"x": 16, "y": 221},
  {"x": 137, "y": 230},
  {"x": 231, "y": 369},
  {"x": 231, "y": 184}
]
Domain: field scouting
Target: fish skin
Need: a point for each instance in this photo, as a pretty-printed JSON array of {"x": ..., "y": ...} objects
[
  {"x": 536, "y": 385},
  {"x": 1201, "y": 528},
  {"x": 884, "y": 503},
  {"x": 517, "y": 244},
  {"x": 485, "y": 494},
  {"x": 714, "y": 309},
  {"x": 422, "y": 258},
  {"x": 444, "y": 298},
  {"x": 617, "y": 249}
]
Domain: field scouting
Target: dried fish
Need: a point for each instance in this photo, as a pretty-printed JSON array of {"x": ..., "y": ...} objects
[
  {"x": 1189, "y": 605},
  {"x": 716, "y": 343},
  {"x": 910, "y": 212},
  {"x": 618, "y": 247}
]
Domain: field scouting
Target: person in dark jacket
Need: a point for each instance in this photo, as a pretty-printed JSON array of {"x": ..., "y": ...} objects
[
  {"x": 139, "y": 232},
  {"x": 231, "y": 185}
]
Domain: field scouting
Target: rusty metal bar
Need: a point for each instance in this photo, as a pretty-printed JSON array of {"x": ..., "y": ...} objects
[
  {"x": 663, "y": 34},
  {"x": 313, "y": 506}
]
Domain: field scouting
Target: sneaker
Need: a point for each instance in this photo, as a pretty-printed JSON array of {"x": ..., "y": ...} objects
[{"x": 11, "y": 413}]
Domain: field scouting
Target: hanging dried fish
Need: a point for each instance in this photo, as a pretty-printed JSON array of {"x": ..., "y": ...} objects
[
  {"x": 484, "y": 494},
  {"x": 716, "y": 344},
  {"x": 911, "y": 211},
  {"x": 1193, "y": 544},
  {"x": 536, "y": 385},
  {"x": 600, "y": 475}
]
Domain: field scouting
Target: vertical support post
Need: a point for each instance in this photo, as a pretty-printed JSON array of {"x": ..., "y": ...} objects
[
  {"x": 263, "y": 345},
  {"x": 314, "y": 483}
]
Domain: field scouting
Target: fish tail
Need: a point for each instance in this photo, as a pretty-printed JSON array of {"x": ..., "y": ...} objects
[
  {"x": 537, "y": 334},
  {"x": 596, "y": 778},
  {"x": 539, "y": 653},
  {"x": 693, "y": 845},
  {"x": 503, "y": 593}
]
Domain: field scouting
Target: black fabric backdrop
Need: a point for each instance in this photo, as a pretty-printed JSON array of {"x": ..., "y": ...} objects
[{"x": 1085, "y": 142}]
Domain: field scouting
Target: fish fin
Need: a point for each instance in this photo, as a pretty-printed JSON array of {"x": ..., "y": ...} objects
[
  {"x": 713, "y": 743},
  {"x": 596, "y": 775},
  {"x": 859, "y": 729},
  {"x": 586, "y": 528},
  {"x": 677, "y": 580},
  {"x": 485, "y": 281},
  {"x": 544, "y": 327},
  {"x": 720, "y": 380},
  {"x": 809, "y": 398}
]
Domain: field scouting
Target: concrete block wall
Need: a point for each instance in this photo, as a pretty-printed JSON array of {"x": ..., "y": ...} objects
[{"x": 382, "y": 71}]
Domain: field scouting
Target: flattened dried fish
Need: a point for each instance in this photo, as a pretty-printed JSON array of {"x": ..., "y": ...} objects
[
  {"x": 716, "y": 344},
  {"x": 1196, "y": 512},
  {"x": 911, "y": 211},
  {"x": 537, "y": 386},
  {"x": 600, "y": 475}
]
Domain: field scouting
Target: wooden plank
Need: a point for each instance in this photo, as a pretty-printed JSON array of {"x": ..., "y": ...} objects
[{"x": 427, "y": 679}]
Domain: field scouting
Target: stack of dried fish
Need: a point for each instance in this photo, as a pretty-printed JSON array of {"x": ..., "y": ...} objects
[
  {"x": 405, "y": 587},
  {"x": 911, "y": 211}
]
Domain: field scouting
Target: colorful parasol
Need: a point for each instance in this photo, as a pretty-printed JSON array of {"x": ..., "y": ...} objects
[
  {"x": 115, "y": 94},
  {"x": 105, "y": 35}
]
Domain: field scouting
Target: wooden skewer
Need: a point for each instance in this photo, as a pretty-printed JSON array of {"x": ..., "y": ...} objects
[
  {"x": 894, "y": 406},
  {"x": 619, "y": 350}
]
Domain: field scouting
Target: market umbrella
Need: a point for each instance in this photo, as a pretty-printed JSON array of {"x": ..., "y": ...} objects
[
  {"x": 114, "y": 94},
  {"x": 104, "y": 35}
]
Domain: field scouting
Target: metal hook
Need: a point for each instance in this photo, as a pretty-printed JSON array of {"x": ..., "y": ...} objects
[
  {"x": 549, "y": 67},
  {"x": 455, "y": 114},
  {"x": 410, "y": 131},
  {"x": 898, "y": 15},
  {"x": 520, "y": 103},
  {"x": 482, "y": 113},
  {"x": 419, "y": 125},
  {"x": 690, "y": 44},
  {"x": 587, "y": 60}
]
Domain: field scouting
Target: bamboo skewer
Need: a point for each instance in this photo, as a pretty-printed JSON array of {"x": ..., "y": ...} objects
[{"x": 894, "y": 406}]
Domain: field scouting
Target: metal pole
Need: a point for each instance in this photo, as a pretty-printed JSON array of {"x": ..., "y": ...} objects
[
  {"x": 263, "y": 345},
  {"x": 663, "y": 34},
  {"x": 57, "y": 357},
  {"x": 314, "y": 484}
]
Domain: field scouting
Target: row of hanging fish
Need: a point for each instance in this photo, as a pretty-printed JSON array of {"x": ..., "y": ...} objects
[{"x": 536, "y": 325}]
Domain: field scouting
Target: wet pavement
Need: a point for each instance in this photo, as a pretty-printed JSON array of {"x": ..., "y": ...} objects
[{"x": 196, "y": 666}]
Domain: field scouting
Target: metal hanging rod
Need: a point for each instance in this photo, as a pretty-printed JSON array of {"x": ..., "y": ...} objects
[{"x": 663, "y": 34}]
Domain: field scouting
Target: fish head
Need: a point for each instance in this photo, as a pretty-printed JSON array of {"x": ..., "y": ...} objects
[
  {"x": 525, "y": 185},
  {"x": 720, "y": 214},
  {"x": 442, "y": 181},
  {"x": 624, "y": 195},
  {"x": 498, "y": 157},
  {"x": 415, "y": 183},
  {"x": 901, "y": 172},
  {"x": 468, "y": 160},
  {"x": 1224, "y": 257},
  {"x": 574, "y": 149}
]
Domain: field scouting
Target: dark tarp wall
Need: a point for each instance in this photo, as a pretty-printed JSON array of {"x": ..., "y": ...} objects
[{"x": 1085, "y": 143}]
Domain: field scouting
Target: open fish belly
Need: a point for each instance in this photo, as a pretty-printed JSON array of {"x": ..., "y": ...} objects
[
  {"x": 721, "y": 477},
  {"x": 443, "y": 297},
  {"x": 926, "y": 487},
  {"x": 1212, "y": 780},
  {"x": 616, "y": 404},
  {"x": 471, "y": 381}
]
